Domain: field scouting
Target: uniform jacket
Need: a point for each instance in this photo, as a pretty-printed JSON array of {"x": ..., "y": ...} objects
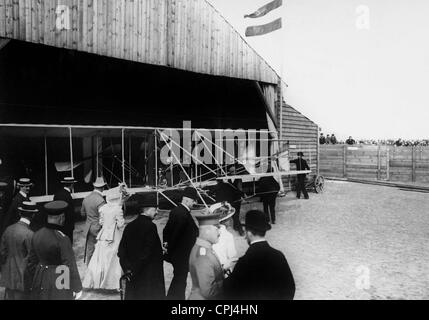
[
  {"x": 12, "y": 214},
  {"x": 65, "y": 195},
  {"x": 206, "y": 272},
  {"x": 90, "y": 206},
  {"x": 50, "y": 253},
  {"x": 140, "y": 252},
  {"x": 262, "y": 273},
  {"x": 180, "y": 233},
  {"x": 14, "y": 251},
  {"x": 301, "y": 164}
]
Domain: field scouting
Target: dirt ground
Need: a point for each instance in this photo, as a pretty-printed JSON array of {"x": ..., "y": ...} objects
[{"x": 354, "y": 241}]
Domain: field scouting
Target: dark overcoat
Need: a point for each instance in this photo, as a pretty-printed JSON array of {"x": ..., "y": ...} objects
[
  {"x": 301, "y": 165},
  {"x": 140, "y": 252},
  {"x": 14, "y": 251},
  {"x": 263, "y": 273},
  {"x": 52, "y": 262},
  {"x": 69, "y": 223},
  {"x": 180, "y": 233},
  {"x": 12, "y": 215}
]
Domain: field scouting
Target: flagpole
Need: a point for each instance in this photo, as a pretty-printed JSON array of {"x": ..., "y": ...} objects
[{"x": 281, "y": 86}]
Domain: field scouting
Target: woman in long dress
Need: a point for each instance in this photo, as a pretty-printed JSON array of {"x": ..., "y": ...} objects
[{"x": 104, "y": 270}]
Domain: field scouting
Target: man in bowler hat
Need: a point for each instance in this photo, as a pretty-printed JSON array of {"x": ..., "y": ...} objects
[
  {"x": 140, "y": 251},
  {"x": 179, "y": 237},
  {"x": 263, "y": 272}
]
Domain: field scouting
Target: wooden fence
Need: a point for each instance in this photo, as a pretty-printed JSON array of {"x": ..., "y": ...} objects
[{"x": 388, "y": 163}]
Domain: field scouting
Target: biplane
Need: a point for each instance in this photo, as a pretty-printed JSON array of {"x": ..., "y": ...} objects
[{"x": 132, "y": 156}]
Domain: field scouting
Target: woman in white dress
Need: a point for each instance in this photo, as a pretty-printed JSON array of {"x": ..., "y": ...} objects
[{"x": 104, "y": 270}]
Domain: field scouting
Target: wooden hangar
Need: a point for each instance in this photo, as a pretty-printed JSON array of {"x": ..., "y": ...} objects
[{"x": 85, "y": 84}]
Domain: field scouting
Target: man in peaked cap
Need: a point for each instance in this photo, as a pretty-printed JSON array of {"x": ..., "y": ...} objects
[
  {"x": 140, "y": 252},
  {"x": 15, "y": 246},
  {"x": 263, "y": 272},
  {"x": 179, "y": 237},
  {"x": 65, "y": 194},
  {"x": 90, "y": 206},
  {"x": 12, "y": 215},
  {"x": 205, "y": 268},
  {"x": 52, "y": 271}
]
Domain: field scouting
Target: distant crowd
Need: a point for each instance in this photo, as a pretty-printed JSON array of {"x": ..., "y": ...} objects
[{"x": 332, "y": 139}]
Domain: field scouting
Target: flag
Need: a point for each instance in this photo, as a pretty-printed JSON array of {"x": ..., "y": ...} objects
[
  {"x": 265, "y": 9},
  {"x": 264, "y": 29}
]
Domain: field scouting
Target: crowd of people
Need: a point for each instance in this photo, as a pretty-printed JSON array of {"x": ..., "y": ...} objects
[
  {"x": 36, "y": 246},
  {"x": 331, "y": 139}
]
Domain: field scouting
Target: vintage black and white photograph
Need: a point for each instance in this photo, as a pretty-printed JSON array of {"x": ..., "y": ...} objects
[{"x": 229, "y": 150}]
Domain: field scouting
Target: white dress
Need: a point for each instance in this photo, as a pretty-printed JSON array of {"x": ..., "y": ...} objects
[
  {"x": 225, "y": 248},
  {"x": 104, "y": 270}
]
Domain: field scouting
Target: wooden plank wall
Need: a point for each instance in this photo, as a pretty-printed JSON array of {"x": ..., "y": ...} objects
[
  {"x": 302, "y": 135},
  {"x": 386, "y": 163},
  {"x": 185, "y": 34}
]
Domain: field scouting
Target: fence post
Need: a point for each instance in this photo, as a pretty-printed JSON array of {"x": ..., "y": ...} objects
[
  {"x": 413, "y": 164},
  {"x": 345, "y": 161},
  {"x": 387, "y": 163},
  {"x": 379, "y": 162}
]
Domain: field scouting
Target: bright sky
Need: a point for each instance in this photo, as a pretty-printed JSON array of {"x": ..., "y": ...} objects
[{"x": 368, "y": 83}]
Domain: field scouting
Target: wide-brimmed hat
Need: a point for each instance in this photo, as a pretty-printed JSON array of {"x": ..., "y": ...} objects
[
  {"x": 256, "y": 220},
  {"x": 28, "y": 207},
  {"x": 300, "y": 153},
  {"x": 99, "y": 182},
  {"x": 24, "y": 182},
  {"x": 206, "y": 218},
  {"x": 66, "y": 180},
  {"x": 190, "y": 193},
  {"x": 140, "y": 200},
  {"x": 224, "y": 209},
  {"x": 55, "y": 208}
]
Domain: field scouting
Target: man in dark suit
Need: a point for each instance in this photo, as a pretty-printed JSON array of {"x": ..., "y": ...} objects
[
  {"x": 140, "y": 252},
  {"x": 12, "y": 215},
  {"x": 263, "y": 272},
  {"x": 301, "y": 165},
  {"x": 15, "y": 247},
  {"x": 179, "y": 237},
  {"x": 65, "y": 194},
  {"x": 269, "y": 189}
]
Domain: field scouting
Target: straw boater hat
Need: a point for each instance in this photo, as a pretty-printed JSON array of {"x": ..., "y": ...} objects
[
  {"x": 99, "y": 182},
  {"x": 24, "y": 182},
  {"x": 28, "y": 207},
  {"x": 256, "y": 220},
  {"x": 68, "y": 180}
]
